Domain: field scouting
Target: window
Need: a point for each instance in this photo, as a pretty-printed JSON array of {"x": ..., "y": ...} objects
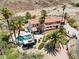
[
  {"x": 50, "y": 26},
  {"x": 47, "y": 27},
  {"x": 56, "y": 26},
  {"x": 35, "y": 25},
  {"x": 49, "y": 23}
]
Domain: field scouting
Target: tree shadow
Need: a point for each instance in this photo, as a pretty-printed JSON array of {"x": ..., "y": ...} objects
[{"x": 51, "y": 49}]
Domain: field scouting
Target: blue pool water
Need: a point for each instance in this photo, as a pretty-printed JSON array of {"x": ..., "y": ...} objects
[{"x": 20, "y": 38}]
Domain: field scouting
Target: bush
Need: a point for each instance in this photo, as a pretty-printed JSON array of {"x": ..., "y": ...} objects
[
  {"x": 34, "y": 56},
  {"x": 72, "y": 23},
  {"x": 77, "y": 4},
  {"x": 3, "y": 44},
  {"x": 41, "y": 46},
  {"x": 45, "y": 39},
  {"x": 3, "y": 40},
  {"x": 2, "y": 34},
  {"x": 12, "y": 54}
]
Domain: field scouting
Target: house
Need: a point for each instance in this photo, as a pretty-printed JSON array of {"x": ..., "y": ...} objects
[{"x": 49, "y": 24}]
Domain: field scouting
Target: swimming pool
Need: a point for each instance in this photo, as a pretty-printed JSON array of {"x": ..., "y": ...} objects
[
  {"x": 26, "y": 39},
  {"x": 20, "y": 38}
]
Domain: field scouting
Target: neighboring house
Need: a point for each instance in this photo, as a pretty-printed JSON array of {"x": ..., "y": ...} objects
[{"x": 49, "y": 24}]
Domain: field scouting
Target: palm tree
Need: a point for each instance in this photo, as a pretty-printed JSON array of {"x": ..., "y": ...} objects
[
  {"x": 64, "y": 7},
  {"x": 7, "y": 14},
  {"x": 66, "y": 15},
  {"x": 13, "y": 27},
  {"x": 42, "y": 20},
  {"x": 53, "y": 42},
  {"x": 41, "y": 26},
  {"x": 43, "y": 14},
  {"x": 27, "y": 16},
  {"x": 18, "y": 23}
]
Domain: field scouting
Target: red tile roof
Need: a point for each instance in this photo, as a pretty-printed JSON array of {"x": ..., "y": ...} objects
[{"x": 48, "y": 20}]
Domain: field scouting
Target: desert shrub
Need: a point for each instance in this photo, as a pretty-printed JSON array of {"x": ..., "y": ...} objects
[
  {"x": 3, "y": 40},
  {"x": 77, "y": 4},
  {"x": 12, "y": 54},
  {"x": 35, "y": 56},
  {"x": 72, "y": 23},
  {"x": 41, "y": 46},
  {"x": 2, "y": 34},
  {"x": 45, "y": 39}
]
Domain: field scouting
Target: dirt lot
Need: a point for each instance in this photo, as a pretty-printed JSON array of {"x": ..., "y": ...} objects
[{"x": 22, "y": 5}]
